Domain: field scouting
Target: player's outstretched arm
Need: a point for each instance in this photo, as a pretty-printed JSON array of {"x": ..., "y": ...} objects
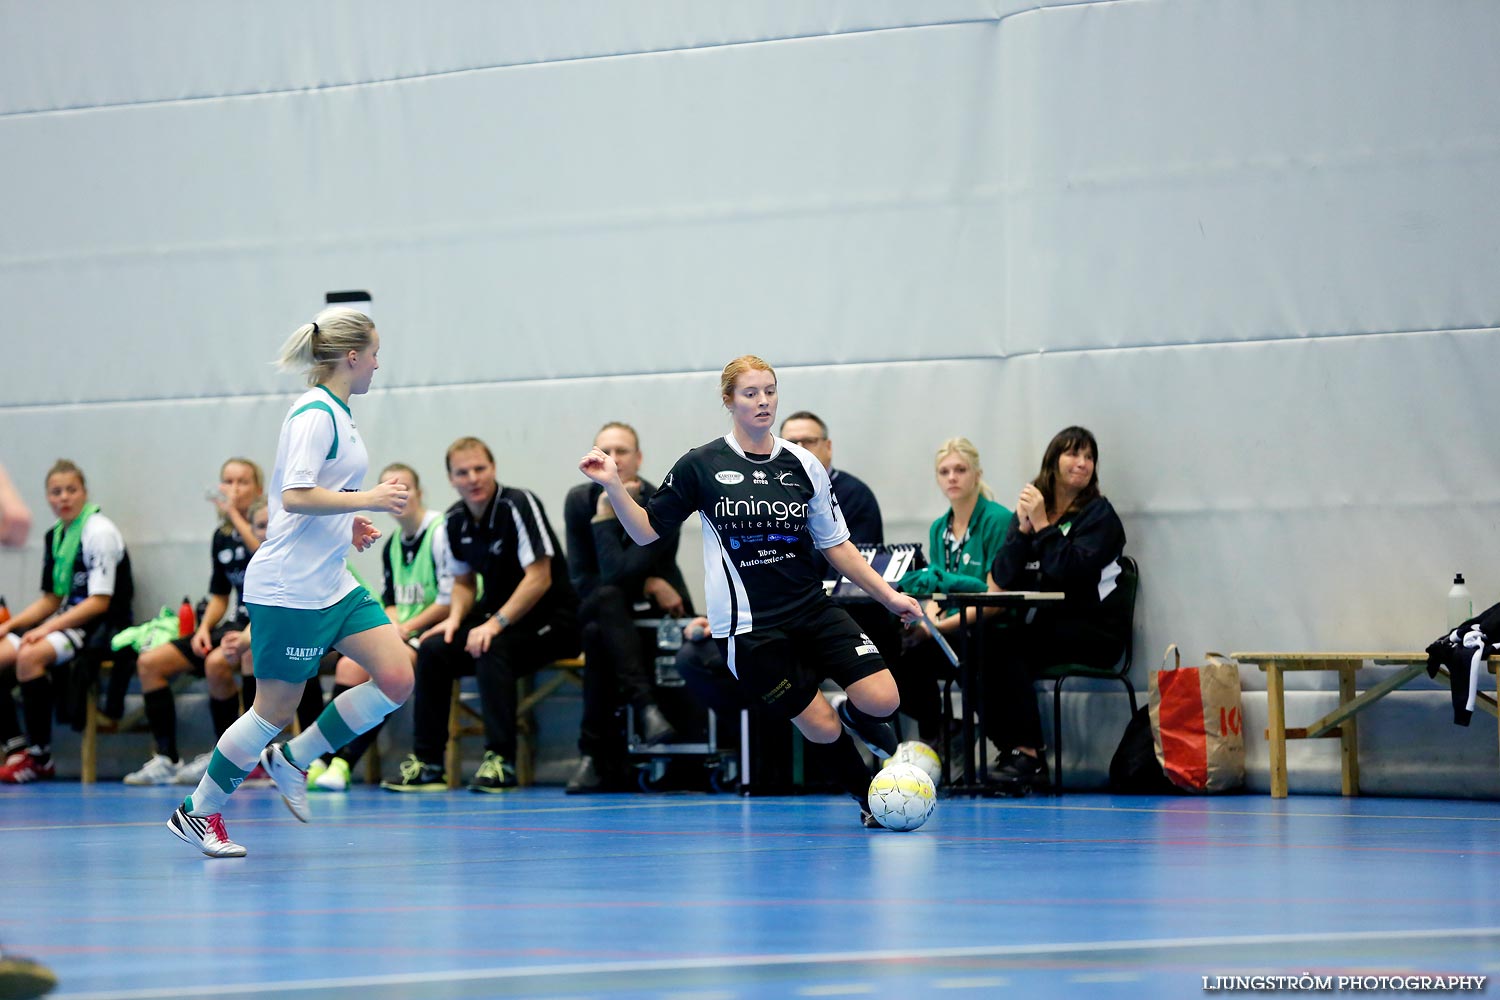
[
  {"x": 846, "y": 559},
  {"x": 601, "y": 469}
]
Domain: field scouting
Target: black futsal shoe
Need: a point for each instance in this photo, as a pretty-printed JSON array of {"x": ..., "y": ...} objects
[{"x": 1018, "y": 773}]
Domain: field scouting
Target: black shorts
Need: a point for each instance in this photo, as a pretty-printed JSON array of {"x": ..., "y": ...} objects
[
  {"x": 781, "y": 667},
  {"x": 216, "y": 634}
]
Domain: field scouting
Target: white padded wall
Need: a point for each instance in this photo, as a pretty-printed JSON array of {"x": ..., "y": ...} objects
[{"x": 1251, "y": 244}]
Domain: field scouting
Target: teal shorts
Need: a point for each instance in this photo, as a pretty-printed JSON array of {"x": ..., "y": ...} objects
[{"x": 287, "y": 643}]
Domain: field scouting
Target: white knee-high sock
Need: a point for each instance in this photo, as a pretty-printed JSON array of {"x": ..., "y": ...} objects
[
  {"x": 233, "y": 758},
  {"x": 355, "y": 711}
]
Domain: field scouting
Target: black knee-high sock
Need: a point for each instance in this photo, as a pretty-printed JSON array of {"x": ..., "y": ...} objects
[
  {"x": 878, "y": 730},
  {"x": 223, "y": 712},
  {"x": 161, "y": 716},
  {"x": 10, "y": 724},
  {"x": 247, "y": 692},
  {"x": 841, "y": 759},
  {"x": 36, "y": 705},
  {"x": 356, "y": 747},
  {"x": 311, "y": 705}
]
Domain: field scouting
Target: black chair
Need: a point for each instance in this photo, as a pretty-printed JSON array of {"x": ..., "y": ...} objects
[{"x": 1129, "y": 583}]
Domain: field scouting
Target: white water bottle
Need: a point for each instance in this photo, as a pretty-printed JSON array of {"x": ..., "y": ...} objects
[{"x": 1460, "y": 603}]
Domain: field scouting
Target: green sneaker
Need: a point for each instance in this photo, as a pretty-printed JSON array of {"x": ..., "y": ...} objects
[
  {"x": 334, "y": 779},
  {"x": 315, "y": 772},
  {"x": 417, "y": 776},
  {"x": 494, "y": 775}
]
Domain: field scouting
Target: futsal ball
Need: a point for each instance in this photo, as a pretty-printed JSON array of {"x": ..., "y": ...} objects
[
  {"x": 920, "y": 754},
  {"x": 902, "y": 797}
]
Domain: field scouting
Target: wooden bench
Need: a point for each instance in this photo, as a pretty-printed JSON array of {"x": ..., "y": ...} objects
[
  {"x": 96, "y": 724},
  {"x": 466, "y": 720},
  {"x": 1341, "y": 722}
]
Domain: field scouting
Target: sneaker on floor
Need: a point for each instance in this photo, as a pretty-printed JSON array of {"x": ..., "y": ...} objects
[
  {"x": 495, "y": 774},
  {"x": 191, "y": 772},
  {"x": 291, "y": 780},
  {"x": 159, "y": 770},
  {"x": 21, "y": 978},
  {"x": 418, "y": 776},
  {"x": 206, "y": 833},
  {"x": 1021, "y": 773},
  {"x": 315, "y": 770},
  {"x": 880, "y": 737},
  {"x": 15, "y": 749},
  {"x": 335, "y": 777},
  {"x": 257, "y": 778},
  {"x": 586, "y": 778},
  {"x": 653, "y": 725},
  {"x": 28, "y": 767}
]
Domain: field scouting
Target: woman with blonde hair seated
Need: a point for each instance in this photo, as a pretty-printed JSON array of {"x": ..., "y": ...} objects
[{"x": 961, "y": 544}]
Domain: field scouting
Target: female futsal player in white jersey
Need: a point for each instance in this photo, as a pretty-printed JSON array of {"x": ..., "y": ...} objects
[
  {"x": 766, "y": 504},
  {"x": 302, "y": 600}
]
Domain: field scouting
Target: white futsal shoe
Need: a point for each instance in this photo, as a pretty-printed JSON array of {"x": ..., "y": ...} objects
[
  {"x": 206, "y": 833},
  {"x": 291, "y": 780},
  {"x": 192, "y": 772},
  {"x": 159, "y": 770}
]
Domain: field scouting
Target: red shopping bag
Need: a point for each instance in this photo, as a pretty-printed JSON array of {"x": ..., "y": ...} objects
[{"x": 1196, "y": 723}]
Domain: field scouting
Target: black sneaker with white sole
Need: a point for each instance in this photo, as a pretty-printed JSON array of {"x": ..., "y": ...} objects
[
  {"x": 1019, "y": 773},
  {"x": 418, "y": 776}
]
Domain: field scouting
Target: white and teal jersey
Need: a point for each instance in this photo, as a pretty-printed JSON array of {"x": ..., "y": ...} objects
[{"x": 301, "y": 563}]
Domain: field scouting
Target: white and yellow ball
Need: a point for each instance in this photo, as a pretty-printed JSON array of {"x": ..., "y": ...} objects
[
  {"x": 920, "y": 754},
  {"x": 902, "y": 796}
]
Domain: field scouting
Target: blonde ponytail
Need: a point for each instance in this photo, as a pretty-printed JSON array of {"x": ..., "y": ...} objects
[{"x": 316, "y": 348}]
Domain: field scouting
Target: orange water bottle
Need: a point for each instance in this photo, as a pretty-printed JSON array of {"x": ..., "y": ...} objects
[{"x": 185, "y": 618}]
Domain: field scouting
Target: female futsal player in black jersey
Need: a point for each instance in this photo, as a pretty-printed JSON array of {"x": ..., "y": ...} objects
[{"x": 766, "y": 505}]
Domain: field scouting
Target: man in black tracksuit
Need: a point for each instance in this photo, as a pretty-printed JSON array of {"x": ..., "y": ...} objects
[
  {"x": 617, "y": 581},
  {"x": 525, "y": 618}
]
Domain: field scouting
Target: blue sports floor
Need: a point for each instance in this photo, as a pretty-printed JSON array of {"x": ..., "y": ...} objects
[{"x": 701, "y": 897}]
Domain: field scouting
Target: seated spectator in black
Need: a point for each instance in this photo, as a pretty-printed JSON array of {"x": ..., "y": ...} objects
[
  {"x": 86, "y": 592},
  {"x": 617, "y": 582},
  {"x": 230, "y": 549},
  {"x": 962, "y": 544},
  {"x": 855, "y": 499},
  {"x": 861, "y": 515},
  {"x": 704, "y": 672},
  {"x": 526, "y": 618},
  {"x": 1064, "y": 536}
]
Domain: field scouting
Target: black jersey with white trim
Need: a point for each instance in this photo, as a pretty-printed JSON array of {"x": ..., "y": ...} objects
[
  {"x": 512, "y": 533},
  {"x": 230, "y": 557},
  {"x": 763, "y": 518}
]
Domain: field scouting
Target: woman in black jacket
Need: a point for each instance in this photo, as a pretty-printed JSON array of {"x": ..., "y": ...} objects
[{"x": 1065, "y": 537}]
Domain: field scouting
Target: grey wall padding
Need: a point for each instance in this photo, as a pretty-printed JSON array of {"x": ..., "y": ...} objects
[{"x": 1252, "y": 245}]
